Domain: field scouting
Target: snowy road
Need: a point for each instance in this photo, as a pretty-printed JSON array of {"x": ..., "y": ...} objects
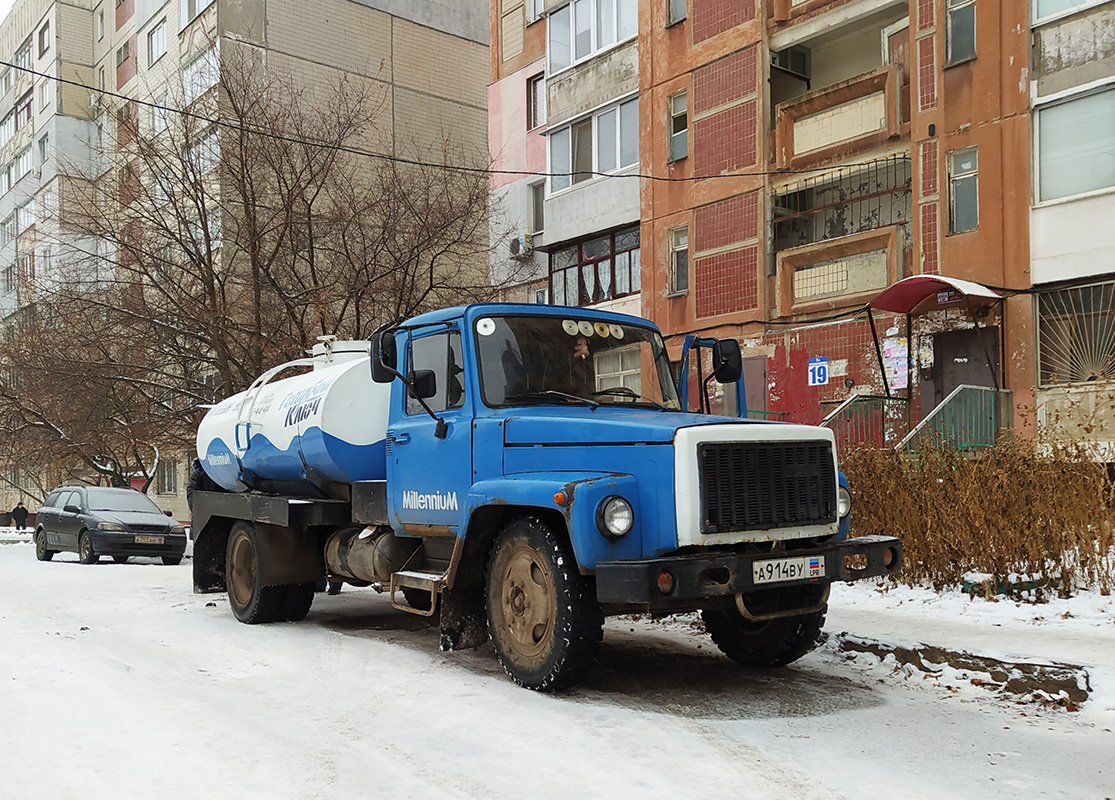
[{"x": 117, "y": 682}]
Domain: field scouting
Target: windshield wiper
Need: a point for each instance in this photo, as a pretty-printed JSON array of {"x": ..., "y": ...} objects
[
  {"x": 551, "y": 393},
  {"x": 623, "y": 391}
]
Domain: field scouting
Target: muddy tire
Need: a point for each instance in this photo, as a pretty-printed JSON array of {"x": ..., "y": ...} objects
[
  {"x": 42, "y": 552},
  {"x": 85, "y": 552},
  {"x": 299, "y": 598},
  {"x": 120, "y": 559},
  {"x": 251, "y": 603},
  {"x": 773, "y": 643},
  {"x": 543, "y": 617}
]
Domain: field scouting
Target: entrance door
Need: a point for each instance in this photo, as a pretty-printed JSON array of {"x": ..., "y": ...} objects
[
  {"x": 755, "y": 384},
  {"x": 960, "y": 357}
]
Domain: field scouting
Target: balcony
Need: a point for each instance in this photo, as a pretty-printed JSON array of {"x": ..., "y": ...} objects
[{"x": 857, "y": 114}]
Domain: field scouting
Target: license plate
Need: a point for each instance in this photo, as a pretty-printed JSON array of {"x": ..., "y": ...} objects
[
  {"x": 788, "y": 569},
  {"x": 149, "y": 539}
]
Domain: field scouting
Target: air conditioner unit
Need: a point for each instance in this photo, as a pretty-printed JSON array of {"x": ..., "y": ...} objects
[
  {"x": 521, "y": 246},
  {"x": 94, "y": 99}
]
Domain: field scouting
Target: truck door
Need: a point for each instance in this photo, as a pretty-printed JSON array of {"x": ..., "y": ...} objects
[{"x": 428, "y": 477}]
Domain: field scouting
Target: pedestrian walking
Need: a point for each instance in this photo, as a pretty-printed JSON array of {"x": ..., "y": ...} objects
[{"x": 19, "y": 517}]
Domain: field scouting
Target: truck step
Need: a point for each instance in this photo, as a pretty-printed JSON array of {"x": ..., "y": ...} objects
[{"x": 431, "y": 582}]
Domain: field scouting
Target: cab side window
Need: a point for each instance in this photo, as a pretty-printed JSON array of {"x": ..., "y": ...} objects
[{"x": 442, "y": 354}]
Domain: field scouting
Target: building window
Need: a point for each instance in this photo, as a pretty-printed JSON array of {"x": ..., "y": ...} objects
[
  {"x": 7, "y": 128},
  {"x": 5, "y": 81},
  {"x": 536, "y": 101},
  {"x": 101, "y": 79},
  {"x": 191, "y": 8},
  {"x": 534, "y": 10},
  {"x": 156, "y": 43},
  {"x": 23, "y": 110},
  {"x": 123, "y": 53},
  {"x": 9, "y": 277},
  {"x": 606, "y": 141},
  {"x": 160, "y": 116},
  {"x": 201, "y": 74},
  {"x": 44, "y": 38},
  {"x": 44, "y": 147},
  {"x": 23, "y": 56},
  {"x": 540, "y": 297},
  {"x": 205, "y": 154},
  {"x": 5, "y": 185},
  {"x": 22, "y": 163},
  {"x": 26, "y": 272},
  {"x": 585, "y": 27},
  {"x": 1076, "y": 334},
  {"x": 166, "y": 478},
  {"x": 1043, "y": 9},
  {"x": 537, "y": 207},
  {"x": 963, "y": 190},
  {"x": 675, "y": 11},
  {"x": 1076, "y": 146},
  {"x": 679, "y": 261},
  {"x": 961, "y": 31},
  {"x": 679, "y": 127},
  {"x": 44, "y": 95},
  {"x": 100, "y": 24},
  {"x": 597, "y": 269}
]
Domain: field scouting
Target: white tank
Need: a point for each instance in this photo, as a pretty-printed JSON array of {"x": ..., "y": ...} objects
[{"x": 326, "y": 426}]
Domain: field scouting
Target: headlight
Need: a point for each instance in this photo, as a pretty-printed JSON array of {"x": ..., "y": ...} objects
[
  {"x": 109, "y": 526},
  {"x": 177, "y": 528},
  {"x": 614, "y": 517},
  {"x": 843, "y": 501}
]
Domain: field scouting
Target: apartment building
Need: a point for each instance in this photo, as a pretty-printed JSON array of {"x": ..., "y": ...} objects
[
  {"x": 799, "y": 157},
  {"x": 143, "y": 61},
  {"x": 1072, "y": 240},
  {"x": 564, "y": 100}
]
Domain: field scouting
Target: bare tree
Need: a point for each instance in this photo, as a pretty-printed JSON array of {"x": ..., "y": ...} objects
[{"x": 202, "y": 247}]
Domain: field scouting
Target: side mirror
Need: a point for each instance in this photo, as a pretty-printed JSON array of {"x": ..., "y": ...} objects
[
  {"x": 166, "y": 511},
  {"x": 383, "y": 357},
  {"x": 423, "y": 384},
  {"x": 72, "y": 509},
  {"x": 727, "y": 361}
]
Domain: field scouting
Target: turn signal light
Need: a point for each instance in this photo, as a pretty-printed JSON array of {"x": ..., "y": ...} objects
[
  {"x": 559, "y": 498},
  {"x": 665, "y": 582}
]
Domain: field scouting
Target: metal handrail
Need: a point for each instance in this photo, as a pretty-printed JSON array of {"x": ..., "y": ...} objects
[
  {"x": 982, "y": 421},
  {"x": 868, "y": 420}
]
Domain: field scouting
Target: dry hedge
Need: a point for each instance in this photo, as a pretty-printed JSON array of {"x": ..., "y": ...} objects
[{"x": 1026, "y": 517}]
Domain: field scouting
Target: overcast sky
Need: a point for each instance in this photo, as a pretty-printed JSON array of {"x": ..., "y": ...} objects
[{"x": 5, "y": 7}]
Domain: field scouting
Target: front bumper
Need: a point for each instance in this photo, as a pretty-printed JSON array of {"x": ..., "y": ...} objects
[
  {"x": 704, "y": 579},
  {"x": 116, "y": 543}
]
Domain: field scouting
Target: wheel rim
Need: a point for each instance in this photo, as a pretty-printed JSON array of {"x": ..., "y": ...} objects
[
  {"x": 40, "y": 545},
  {"x": 243, "y": 573},
  {"x": 86, "y": 548},
  {"x": 527, "y": 602}
]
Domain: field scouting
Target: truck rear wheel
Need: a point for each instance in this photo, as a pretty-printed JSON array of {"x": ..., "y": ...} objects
[
  {"x": 543, "y": 616},
  {"x": 773, "y": 643},
  {"x": 251, "y": 603}
]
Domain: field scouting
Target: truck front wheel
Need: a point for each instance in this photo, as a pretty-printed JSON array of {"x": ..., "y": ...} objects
[
  {"x": 251, "y": 602},
  {"x": 543, "y": 616},
  {"x": 773, "y": 643}
]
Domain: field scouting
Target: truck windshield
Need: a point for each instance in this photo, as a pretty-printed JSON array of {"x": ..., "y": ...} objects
[{"x": 529, "y": 360}]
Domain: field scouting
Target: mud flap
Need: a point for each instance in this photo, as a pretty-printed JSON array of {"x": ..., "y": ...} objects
[
  {"x": 209, "y": 559},
  {"x": 464, "y": 622}
]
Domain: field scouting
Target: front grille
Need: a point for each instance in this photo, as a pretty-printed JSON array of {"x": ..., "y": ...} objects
[
  {"x": 147, "y": 528},
  {"x": 760, "y": 485}
]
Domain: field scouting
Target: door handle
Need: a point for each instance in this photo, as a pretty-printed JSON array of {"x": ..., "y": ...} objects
[{"x": 402, "y": 438}]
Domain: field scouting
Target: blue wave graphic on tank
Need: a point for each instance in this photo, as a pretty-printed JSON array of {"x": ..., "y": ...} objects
[{"x": 332, "y": 457}]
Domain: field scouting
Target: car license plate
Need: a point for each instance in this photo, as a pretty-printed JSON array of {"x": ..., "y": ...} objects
[
  {"x": 149, "y": 539},
  {"x": 788, "y": 569}
]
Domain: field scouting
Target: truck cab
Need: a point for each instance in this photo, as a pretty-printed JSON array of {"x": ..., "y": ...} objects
[{"x": 542, "y": 473}]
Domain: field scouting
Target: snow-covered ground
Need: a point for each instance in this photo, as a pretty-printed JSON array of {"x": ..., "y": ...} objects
[{"x": 117, "y": 682}]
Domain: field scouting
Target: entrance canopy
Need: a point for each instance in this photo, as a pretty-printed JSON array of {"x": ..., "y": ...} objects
[{"x": 906, "y": 295}]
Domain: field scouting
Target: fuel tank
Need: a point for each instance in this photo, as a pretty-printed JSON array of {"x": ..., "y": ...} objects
[{"x": 314, "y": 433}]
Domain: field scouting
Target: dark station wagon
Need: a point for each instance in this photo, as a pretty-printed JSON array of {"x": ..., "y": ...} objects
[{"x": 95, "y": 521}]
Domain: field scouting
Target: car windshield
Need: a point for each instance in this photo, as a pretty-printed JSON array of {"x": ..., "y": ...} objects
[
  {"x": 120, "y": 500},
  {"x": 527, "y": 360}
]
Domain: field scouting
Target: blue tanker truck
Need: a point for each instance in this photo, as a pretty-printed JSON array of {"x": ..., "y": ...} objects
[{"x": 523, "y": 471}]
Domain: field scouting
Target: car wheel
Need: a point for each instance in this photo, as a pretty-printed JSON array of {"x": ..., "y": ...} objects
[
  {"x": 41, "y": 551},
  {"x": 543, "y": 617},
  {"x": 85, "y": 552},
  {"x": 773, "y": 643},
  {"x": 251, "y": 603},
  {"x": 172, "y": 561},
  {"x": 120, "y": 559},
  {"x": 299, "y": 598}
]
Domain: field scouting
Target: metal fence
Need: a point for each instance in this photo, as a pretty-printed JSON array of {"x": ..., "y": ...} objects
[
  {"x": 868, "y": 421},
  {"x": 970, "y": 418}
]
